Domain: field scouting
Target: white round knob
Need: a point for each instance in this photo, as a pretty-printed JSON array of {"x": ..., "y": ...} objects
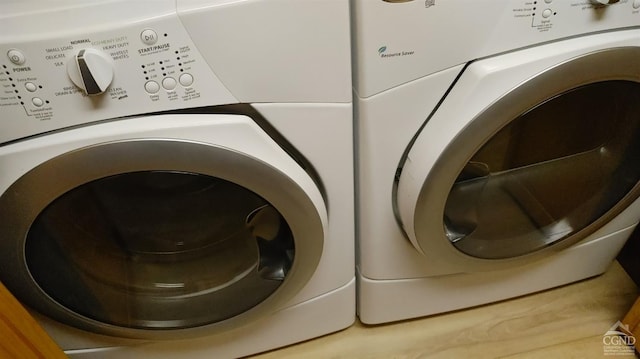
[
  {"x": 604, "y": 2},
  {"x": 91, "y": 70}
]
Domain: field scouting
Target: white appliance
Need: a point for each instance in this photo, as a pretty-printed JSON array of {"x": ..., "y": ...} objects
[
  {"x": 497, "y": 149},
  {"x": 177, "y": 177}
]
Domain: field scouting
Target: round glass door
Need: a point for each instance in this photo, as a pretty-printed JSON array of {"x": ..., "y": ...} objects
[
  {"x": 159, "y": 250},
  {"x": 159, "y": 238},
  {"x": 549, "y": 173}
]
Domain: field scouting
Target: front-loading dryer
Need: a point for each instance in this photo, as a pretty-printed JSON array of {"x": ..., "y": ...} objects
[
  {"x": 176, "y": 177},
  {"x": 498, "y": 145}
]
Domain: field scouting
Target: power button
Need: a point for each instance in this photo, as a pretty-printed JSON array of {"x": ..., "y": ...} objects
[{"x": 16, "y": 57}]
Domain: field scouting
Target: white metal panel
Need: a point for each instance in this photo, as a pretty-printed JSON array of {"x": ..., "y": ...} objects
[{"x": 276, "y": 50}]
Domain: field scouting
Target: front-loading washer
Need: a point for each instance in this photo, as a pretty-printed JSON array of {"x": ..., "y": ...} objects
[
  {"x": 497, "y": 148},
  {"x": 177, "y": 177}
]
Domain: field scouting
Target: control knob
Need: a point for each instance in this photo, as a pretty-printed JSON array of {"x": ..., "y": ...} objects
[
  {"x": 604, "y": 2},
  {"x": 91, "y": 70}
]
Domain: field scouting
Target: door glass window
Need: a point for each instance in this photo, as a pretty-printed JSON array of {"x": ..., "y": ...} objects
[
  {"x": 159, "y": 250},
  {"x": 550, "y": 173}
]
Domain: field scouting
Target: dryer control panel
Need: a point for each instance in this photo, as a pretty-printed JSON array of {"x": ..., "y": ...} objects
[
  {"x": 584, "y": 16},
  {"x": 144, "y": 67},
  {"x": 396, "y": 42}
]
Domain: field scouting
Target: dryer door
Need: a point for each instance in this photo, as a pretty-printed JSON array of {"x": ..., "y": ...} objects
[
  {"x": 142, "y": 234},
  {"x": 543, "y": 166}
]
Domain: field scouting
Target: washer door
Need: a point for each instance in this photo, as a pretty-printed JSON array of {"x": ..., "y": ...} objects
[
  {"x": 147, "y": 237},
  {"x": 544, "y": 166}
]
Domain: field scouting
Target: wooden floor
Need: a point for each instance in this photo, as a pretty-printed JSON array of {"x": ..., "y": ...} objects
[{"x": 566, "y": 322}]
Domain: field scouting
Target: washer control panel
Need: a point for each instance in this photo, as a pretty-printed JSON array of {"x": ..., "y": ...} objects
[{"x": 145, "y": 67}]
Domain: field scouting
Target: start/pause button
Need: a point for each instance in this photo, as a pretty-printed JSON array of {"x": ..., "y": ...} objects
[{"x": 149, "y": 37}]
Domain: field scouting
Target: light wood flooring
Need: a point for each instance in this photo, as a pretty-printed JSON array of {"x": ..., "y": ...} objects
[{"x": 566, "y": 322}]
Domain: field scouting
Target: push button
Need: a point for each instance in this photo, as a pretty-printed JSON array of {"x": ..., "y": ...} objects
[
  {"x": 152, "y": 87},
  {"x": 37, "y": 101},
  {"x": 186, "y": 80},
  {"x": 169, "y": 83},
  {"x": 30, "y": 86},
  {"x": 149, "y": 37},
  {"x": 16, "y": 57}
]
